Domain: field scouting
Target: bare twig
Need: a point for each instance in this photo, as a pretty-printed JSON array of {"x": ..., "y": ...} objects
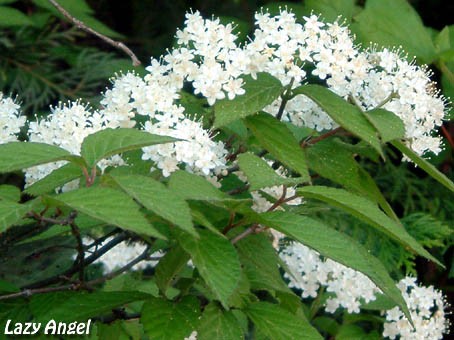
[
  {"x": 80, "y": 260},
  {"x": 79, "y": 24},
  {"x": 78, "y": 285},
  {"x": 304, "y": 143},
  {"x": 245, "y": 233},
  {"x": 101, "y": 240},
  {"x": 448, "y": 136},
  {"x": 255, "y": 228},
  {"x": 75, "y": 268}
]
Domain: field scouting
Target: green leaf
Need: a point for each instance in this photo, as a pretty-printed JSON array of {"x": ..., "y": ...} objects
[
  {"x": 7, "y": 287},
  {"x": 448, "y": 89},
  {"x": 370, "y": 190},
  {"x": 193, "y": 187},
  {"x": 156, "y": 197},
  {"x": 56, "y": 178},
  {"x": 425, "y": 165},
  {"x": 330, "y": 10},
  {"x": 79, "y": 306},
  {"x": 260, "y": 92},
  {"x": 218, "y": 324},
  {"x": 326, "y": 324},
  {"x": 196, "y": 188},
  {"x": 9, "y": 192},
  {"x": 388, "y": 125},
  {"x": 169, "y": 266},
  {"x": 343, "y": 113},
  {"x": 216, "y": 260},
  {"x": 381, "y": 303},
  {"x": 382, "y": 22},
  {"x": 276, "y": 138},
  {"x": 118, "y": 330},
  {"x": 279, "y": 324},
  {"x": 31, "y": 154},
  {"x": 10, "y": 17},
  {"x": 260, "y": 174},
  {"x": 109, "y": 142},
  {"x": 331, "y": 159},
  {"x": 348, "y": 332},
  {"x": 368, "y": 212},
  {"x": 166, "y": 320},
  {"x": 260, "y": 263},
  {"x": 444, "y": 41},
  {"x": 99, "y": 26},
  {"x": 12, "y": 213},
  {"x": 110, "y": 206},
  {"x": 333, "y": 244}
]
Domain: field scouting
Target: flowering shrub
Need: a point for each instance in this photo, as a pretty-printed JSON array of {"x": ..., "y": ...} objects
[{"x": 200, "y": 173}]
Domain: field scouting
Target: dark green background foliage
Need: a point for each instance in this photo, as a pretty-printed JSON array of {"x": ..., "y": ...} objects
[{"x": 44, "y": 59}]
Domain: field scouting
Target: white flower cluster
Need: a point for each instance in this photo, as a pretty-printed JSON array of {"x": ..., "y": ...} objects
[
  {"x": 66, "y": 127},
  {"x": 10, "y": 119},
  {"x": 122, "y": 254},
  {"x": 426, "y": 306},
  {"x": 309, "y": 272},
  {"x": 208, "y": 56},
  {"x": 154, "y": 97}
]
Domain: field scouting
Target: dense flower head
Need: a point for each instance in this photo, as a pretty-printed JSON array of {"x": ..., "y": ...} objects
[
  {"x": 309, "y": 272},
  {"x": 208, "y": 56},
  {"x": 154, "y": 97},
  {"x": 427, "y": 310},
  {"x": 349, "y": 288},
  {"x": 10, "y": 119}
]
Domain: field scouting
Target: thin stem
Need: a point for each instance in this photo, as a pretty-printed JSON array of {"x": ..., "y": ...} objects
[
  {"x": 385, "y": 101},
  {"x": 316, "y": 304},
  {"x": 304, "y": 143},
  {"x": 245, "y": 233},
  {"x": 446, "y": 71},
  {"x": 230, "y": 224},
  {"x": 285, "y": 98},
  {"x": 79, "y": 24},
  {"x": 255, "y": 228},
  {"x": 280, "y": 200},
  {"x": 448, "y": 136},
  {"x": 87, "y": 176}
]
